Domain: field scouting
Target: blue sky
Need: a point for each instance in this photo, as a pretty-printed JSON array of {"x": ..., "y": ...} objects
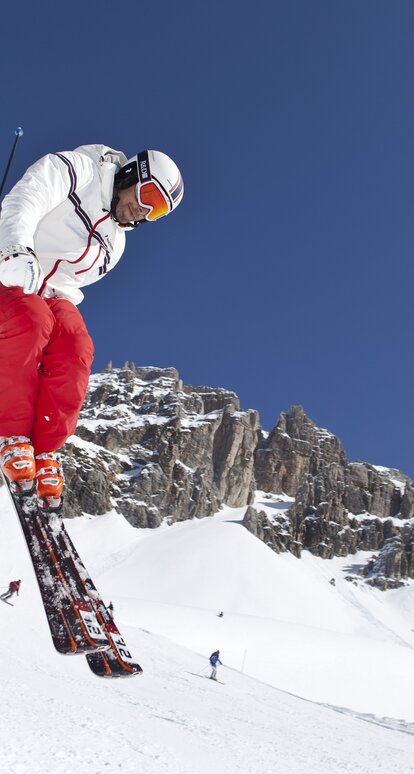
[{"x": 286, "y": 274}]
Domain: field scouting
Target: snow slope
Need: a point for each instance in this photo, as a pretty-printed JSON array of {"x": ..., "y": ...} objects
[{"x": 286, "y": 633}]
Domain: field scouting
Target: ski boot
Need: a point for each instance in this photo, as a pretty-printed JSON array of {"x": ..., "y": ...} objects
[
  {"x": 18, "y": 463},
  {"x": 50, "y": 481}
]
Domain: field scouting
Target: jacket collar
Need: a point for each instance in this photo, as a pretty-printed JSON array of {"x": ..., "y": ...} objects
[{"x": 109, "y": 162}]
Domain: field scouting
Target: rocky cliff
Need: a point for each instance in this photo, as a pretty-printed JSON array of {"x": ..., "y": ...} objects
[
  {"x": 339, "y": 507},
  {"x": 157, "y": 449}
]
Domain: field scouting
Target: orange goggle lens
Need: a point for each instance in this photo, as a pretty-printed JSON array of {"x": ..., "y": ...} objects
[{"x": 149, "y": 195}]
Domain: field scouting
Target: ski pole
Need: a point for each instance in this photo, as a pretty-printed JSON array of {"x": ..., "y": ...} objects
[
  {"x": 18, "y": 132},
  {"x": 202, "y": 670}
]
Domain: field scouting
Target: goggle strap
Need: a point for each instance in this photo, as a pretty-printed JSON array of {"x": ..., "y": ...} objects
[{"x": 144, "y": 174}]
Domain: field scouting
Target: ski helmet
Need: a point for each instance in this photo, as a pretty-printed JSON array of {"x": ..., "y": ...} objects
[{"x": 159, "y": 185}]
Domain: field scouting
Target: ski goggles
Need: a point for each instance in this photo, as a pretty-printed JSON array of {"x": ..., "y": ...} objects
[
  {"x": 149, "y": 192},
  {"x": 152, "y": 196}
]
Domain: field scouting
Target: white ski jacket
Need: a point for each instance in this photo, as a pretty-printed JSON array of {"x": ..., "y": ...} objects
[{"x": 61, "y": 209}]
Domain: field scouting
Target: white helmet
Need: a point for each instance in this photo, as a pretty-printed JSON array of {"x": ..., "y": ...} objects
[{"x": 159, "y": 185}]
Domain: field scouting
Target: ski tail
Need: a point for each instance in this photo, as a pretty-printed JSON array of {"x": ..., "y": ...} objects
[{"x": 116, "y": 662}]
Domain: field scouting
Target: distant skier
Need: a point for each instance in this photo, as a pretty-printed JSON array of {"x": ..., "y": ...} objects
[
  {"x": 111, "y": 609},
  {"x": 14, "y": 587},
  {"x": 220, "y": 614},
  {"x": 62, "y": 227},
  {"x": 214, "y": 660}
]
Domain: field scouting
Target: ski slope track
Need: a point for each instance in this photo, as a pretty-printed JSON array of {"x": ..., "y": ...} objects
[{"x": 316, "y": 678}]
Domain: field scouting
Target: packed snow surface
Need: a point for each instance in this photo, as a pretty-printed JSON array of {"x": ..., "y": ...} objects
[{"x": 317, "y": 671}]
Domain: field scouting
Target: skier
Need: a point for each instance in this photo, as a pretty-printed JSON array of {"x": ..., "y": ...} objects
[
  {"x": 62, "y": 227},
  {"x": 14, "y": 587},
  {"x": 214, "y": 660}
]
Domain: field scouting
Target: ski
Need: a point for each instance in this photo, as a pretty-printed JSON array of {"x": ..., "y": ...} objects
[
  {"x": 6, "y": 602},
  {"x": 206, "y": 677},
  {"x": 117, "y": 661},
  {"x": 78, "y": 619},
  {"x": 72, "y": 620}
]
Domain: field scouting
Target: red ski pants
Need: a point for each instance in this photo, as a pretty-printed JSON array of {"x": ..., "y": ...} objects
[{"x": 46, "y": 355}]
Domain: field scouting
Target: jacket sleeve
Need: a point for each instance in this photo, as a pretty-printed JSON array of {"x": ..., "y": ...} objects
[{"x": 45, "y": 185}]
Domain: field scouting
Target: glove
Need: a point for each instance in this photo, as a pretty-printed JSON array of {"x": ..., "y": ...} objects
[{"x": 19, "y": 266}]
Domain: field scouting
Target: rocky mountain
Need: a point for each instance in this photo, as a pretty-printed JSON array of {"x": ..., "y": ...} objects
[{"x": 157, "y": 449}]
